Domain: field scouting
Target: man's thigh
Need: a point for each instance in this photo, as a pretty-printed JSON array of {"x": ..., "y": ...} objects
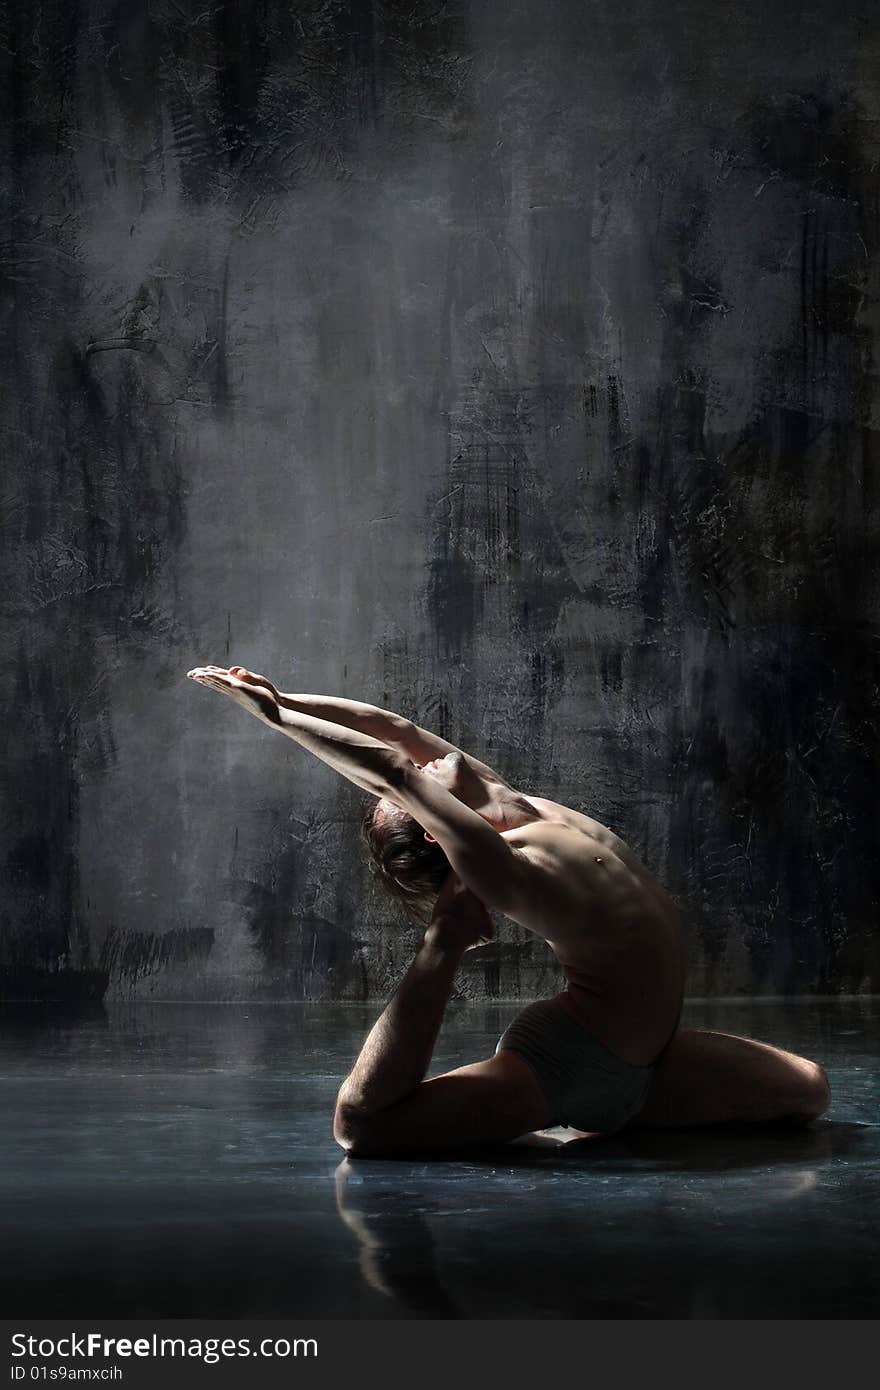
[
  {"x": 708, "y": 1078},
  {"x": 485, "y": 1102}
]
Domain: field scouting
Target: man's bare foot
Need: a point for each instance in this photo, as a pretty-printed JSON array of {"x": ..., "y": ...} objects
[{"x": 261, "y": 699}]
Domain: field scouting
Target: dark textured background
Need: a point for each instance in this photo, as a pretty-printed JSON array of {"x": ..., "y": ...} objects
[{"x": 510, "y": 364}]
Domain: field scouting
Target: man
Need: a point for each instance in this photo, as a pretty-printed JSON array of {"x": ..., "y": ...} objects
[{"x": 449, "y": 834}]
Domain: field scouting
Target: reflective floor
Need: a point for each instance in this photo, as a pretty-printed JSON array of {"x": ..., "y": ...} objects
[{"x": 175, "y": 1160}]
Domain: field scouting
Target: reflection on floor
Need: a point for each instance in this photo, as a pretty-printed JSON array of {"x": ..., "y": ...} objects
[{"x": 177, "y": 1160}]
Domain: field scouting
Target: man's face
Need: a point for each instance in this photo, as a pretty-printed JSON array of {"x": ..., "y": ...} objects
[
  {"x": 447, "y": 771},
  {"x": 454, "y": 774}
]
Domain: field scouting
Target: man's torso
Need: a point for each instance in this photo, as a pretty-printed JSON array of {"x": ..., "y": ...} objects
[{"x": 611, "y": 925}]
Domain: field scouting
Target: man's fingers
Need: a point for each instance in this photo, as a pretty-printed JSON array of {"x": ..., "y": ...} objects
[
  {"x": 253, "y": 698},
  {"x": 200, "y": 672},
  {"x": 216, "y": 675},
  {"x": 233, "y": 679},
  {"x": 225, "y": 684}
]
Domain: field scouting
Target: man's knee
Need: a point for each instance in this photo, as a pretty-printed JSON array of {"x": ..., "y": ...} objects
[
  {"x": 813, "y": 1093},
  {"x": 821, "y": 1089}
]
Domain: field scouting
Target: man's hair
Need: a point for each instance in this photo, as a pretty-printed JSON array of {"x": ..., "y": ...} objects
[{"x": 405, "y": 864}]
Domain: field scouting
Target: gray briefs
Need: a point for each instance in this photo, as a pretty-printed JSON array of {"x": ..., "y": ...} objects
[{"x": 585, "y": 1084}]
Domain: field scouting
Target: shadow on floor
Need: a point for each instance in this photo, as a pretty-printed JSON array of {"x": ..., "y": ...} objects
[{"x": 715, "y": 1150}]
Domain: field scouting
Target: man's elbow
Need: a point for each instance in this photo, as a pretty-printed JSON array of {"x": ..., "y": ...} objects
[
  {"x": 351, "y": 1116},
  {"x": 353, "y": 1131},
  {"x": 343, "y": 1130},
  {"x": 362, "y": 1132},
  {"x": 345, "y": 1114},
  {"x": 394, "y": 730}
]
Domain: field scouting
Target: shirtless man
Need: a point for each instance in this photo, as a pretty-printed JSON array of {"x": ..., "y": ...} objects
[{"x": 450, "y": 835}]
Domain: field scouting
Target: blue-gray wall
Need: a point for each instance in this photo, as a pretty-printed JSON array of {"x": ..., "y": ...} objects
[{"x": 510, "y": 364}]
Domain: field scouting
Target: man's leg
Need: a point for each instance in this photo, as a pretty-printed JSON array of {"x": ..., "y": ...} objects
[
  {"x": 385, "y": 1106},
  {"x": 707, "y": 1078}
]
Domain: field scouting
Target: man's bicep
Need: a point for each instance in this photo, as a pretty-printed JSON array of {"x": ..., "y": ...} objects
[{"x": 497, "y": 875}]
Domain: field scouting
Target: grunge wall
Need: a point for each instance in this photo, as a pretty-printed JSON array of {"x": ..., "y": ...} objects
[{"x": 509, "y": 364}]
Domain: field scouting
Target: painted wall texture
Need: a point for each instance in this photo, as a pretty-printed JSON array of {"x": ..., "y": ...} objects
[{"x": 513, "y": 365}]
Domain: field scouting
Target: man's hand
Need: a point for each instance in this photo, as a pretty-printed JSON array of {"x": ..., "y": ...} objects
[
  {"x": 459, "y": 918},
  {"x": 258, "y": 699},
  {"x": 250, "y": 678}
]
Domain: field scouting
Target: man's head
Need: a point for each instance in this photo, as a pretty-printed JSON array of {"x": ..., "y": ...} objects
[
  {"x": 407, "y": 865},
  {"x": 405, "y": 858}
]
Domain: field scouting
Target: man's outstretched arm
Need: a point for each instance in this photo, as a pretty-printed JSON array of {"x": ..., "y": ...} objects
[
  {"x": 359, "y": 757},
  {"x": 498, "y": 875},
  {"x": 419, "y": 745}
]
